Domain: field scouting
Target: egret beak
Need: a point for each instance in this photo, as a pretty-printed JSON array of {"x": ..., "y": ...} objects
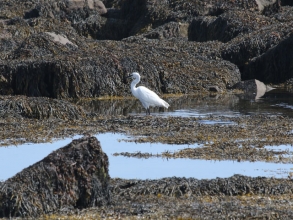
[{"x": 129, "y": 76}]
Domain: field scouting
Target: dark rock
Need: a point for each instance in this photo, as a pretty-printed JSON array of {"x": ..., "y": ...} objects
[
  {"x": 252, "y": 87},
  {"x": 75, "y": 176},
  {"x": 66, "y": 49},
  {"x": 102, "y": 28},
  {"x": 286, "y": 2},
  {"x": 236, "y": 185},
  {"x": 144, "y": 15},
  {"x": 249, "y": 85},
  {"x": 214, "y": 89},
  {"x": 242, "y": 49},
  {"x": 39, "y": 108},
  {"x": 273, "y": 66},
  {"x": 76, "y": 73},
  {"x": 226, "y": 26},
  {"x": 169, "y": 30}
]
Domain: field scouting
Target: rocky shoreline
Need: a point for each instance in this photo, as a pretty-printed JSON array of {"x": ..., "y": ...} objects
[{"x": 57, "y": 55}]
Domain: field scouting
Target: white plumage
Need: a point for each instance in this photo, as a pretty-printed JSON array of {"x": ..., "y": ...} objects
[{"x": 147, "y": 97}]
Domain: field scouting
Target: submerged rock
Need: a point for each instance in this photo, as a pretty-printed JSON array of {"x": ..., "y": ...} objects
[{"x": 75, "y": 176}]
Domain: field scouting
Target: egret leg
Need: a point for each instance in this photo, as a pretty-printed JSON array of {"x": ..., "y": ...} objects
[{"x": 148, "y": 111}]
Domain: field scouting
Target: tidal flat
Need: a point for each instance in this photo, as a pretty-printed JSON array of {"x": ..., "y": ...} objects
[{"x": 255, "y": 135}]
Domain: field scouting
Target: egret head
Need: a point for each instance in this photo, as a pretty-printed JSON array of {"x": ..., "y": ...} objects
[{"x": 134, "y": 75}]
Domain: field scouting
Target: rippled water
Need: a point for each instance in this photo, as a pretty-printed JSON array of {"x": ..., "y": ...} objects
[{"x": 278, "y": 102}]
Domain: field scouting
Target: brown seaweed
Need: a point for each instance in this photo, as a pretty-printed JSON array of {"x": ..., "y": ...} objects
[{"x": 75, "y": 176}]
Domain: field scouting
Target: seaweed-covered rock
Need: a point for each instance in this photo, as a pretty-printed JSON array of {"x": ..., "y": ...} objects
[
  {"x": 166, "y": 66},
  {"x": 226, "y": 26},
  {"x": 75, "y": 176},
  {"x": 70, "y": 49},
  {"x": 242, "y": 49},
  {"x": 39, "y": 108},
  {"x": 169, "y": 30},
  {"x": 236, "y": 185},
  {"x": 273, "y": 66}
]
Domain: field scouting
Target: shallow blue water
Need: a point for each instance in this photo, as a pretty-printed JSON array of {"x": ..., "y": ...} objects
[{"x": 13, "y": 159}]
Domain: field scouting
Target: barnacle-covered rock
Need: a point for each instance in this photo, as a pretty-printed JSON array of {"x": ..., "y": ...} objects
[{"x": 75, "y": 176}]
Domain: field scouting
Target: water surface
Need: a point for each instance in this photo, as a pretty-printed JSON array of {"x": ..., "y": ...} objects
[
  {"x": 274, "y": 102},
  {"x": 13, "y": 159}
]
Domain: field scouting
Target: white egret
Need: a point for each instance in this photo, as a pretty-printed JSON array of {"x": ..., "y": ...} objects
[{"x": 147, "y": 97}]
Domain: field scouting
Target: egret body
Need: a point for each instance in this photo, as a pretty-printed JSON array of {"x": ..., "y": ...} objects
[{"x": 147, "y": 97}]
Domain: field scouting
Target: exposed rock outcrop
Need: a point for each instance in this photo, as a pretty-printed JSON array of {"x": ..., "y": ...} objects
[
  {"x": 166, "y": 66},
  {"x": 275, "y": 65},
  {"x": 75, "y": 49}
]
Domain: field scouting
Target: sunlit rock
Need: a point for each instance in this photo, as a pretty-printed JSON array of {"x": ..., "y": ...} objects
[
  {"x": 263, "y": 3},
  {"x": 91, "y": 4},
  {"x": 59, "y": 38}
]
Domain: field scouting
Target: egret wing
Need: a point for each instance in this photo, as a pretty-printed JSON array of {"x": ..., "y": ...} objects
[{"x": 148, "y": 97}]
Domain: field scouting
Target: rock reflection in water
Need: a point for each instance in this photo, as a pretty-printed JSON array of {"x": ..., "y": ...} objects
[
  {"x": 184, "y": 105},
  {"x": 273, "y": 102}
]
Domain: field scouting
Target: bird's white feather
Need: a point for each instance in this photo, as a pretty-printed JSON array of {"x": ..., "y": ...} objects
[{"x": 147, "y": 97}]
